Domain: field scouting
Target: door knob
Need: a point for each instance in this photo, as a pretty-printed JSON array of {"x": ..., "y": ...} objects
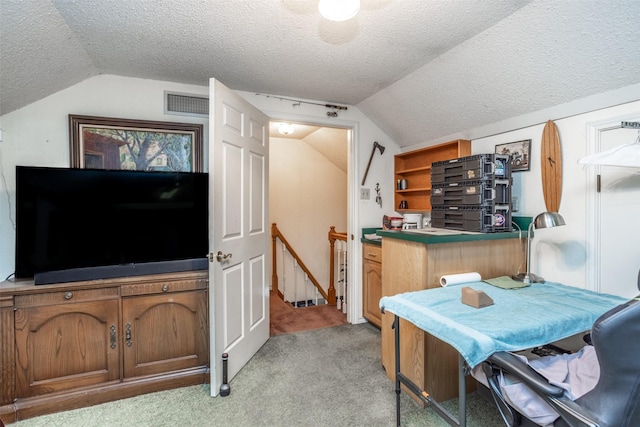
[{"x": 221, "y": 257}]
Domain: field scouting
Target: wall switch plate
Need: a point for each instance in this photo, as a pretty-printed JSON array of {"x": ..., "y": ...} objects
[{"x": 365, "y": 194}]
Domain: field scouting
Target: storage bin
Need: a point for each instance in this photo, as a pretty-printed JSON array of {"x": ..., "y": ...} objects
[
  {"x": 473, "y": 218},
  {"x": 480, "y": 193},
  {"x": 471, "y": 168}
]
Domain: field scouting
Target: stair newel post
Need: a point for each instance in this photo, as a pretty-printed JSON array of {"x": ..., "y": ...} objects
[
  {"x": 274, "y": 258},
  {"x": 331, "y": 292}
]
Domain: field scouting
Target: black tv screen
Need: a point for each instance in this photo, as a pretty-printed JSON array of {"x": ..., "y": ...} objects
[{"x": 79, "y": 220}]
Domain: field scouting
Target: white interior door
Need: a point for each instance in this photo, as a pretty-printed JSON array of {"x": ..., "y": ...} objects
[
  {"x": 619, "y": 212},
  {"x": 238, "y": 232}
]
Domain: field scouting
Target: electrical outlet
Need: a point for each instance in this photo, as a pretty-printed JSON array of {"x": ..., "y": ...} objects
[{"x": 365, "y": 194}]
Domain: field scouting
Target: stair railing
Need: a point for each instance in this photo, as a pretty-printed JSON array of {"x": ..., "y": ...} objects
[
  {"x": 297, "y": 264},
  {"x": 338, "y": 244}
]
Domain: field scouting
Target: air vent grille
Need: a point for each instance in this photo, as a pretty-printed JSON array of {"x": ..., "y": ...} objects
[{"x": 186, "y": 105}]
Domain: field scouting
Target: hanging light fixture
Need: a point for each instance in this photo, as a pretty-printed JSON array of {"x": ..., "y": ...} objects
[
  {"x": 286, "y": 129},
  {"x": 338, "y": 10}
]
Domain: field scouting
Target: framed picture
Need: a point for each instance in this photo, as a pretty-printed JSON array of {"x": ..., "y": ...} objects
[
  {"x": 520, "y": 152},
  {"x": 107, "y": 143}
]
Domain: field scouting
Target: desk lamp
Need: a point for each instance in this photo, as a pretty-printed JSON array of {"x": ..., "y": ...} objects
[{"x": 544, "y": 220}]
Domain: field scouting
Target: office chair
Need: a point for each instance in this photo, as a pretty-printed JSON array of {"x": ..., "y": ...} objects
[{"x": 613, "y": 402}]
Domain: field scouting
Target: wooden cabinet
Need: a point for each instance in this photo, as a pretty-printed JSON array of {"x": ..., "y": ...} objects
[
  {"x": 412, "y": 266},
  {"x": 163, "y": 333},
  {"x": 77, "y": 344},
  {"x": 415, "y": 168},
  {"x": 372, "y": 283},
  {"x": 66, "y": 340}
]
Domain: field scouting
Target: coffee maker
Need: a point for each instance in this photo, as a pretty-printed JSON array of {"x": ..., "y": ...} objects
[{"x": 411, "y": 221}]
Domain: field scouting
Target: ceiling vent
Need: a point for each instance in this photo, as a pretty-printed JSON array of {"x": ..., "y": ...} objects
[{"x": 183, "y": 104}]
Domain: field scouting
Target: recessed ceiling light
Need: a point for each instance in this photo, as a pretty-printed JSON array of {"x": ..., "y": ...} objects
[{"x": 338, "y": 10}]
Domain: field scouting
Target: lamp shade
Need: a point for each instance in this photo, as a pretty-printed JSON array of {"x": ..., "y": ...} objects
[{"x": 548, "y": 220}]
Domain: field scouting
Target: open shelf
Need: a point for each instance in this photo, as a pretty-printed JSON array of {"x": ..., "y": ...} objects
[{"x": 415, "y": 167}]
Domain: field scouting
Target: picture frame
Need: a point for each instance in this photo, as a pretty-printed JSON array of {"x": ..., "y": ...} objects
[
  {"x": 112, "y": 143},
  {"x": 520, "y": 152}
]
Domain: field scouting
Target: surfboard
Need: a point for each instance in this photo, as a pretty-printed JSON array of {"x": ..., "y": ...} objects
[{"x": 551, "y": 165}]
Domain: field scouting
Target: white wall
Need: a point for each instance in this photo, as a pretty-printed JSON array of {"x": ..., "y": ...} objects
[
  {"x": 307, "y": 195},
  {"x": 38, "y": 134},
  {"x": 562, "y": 254}
]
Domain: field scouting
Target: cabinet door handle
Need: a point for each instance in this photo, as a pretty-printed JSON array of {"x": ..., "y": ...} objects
[
  {"x": 112, "y": 336},
  {"x": 372, "y": 254},
  {"x": 165, "y": 288},
  {"x": 68, "y": 295},
  {"x": 127, "y": 334}
]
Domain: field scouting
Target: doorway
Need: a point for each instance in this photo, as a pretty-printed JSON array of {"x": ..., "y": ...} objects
[{"x": 309, "y": 192}]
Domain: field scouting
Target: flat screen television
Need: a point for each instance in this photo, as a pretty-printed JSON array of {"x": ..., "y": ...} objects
[{"x": 83, "y": 224}]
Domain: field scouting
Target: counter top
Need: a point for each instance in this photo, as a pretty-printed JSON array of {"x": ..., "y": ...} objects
[
  {"x": 368, "y": 231},
  {"x": 430, "y": 236},
  {"x": 440, "y": 235}
]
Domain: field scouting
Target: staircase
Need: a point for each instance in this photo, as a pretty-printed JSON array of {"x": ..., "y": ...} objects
[{"x": 310, "y": 307}]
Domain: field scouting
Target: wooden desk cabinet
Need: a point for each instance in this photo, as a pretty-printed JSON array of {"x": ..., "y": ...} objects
[
  {"x": 70, "y": 345},
  {"x": 411, "y": 266},
  {"x": 372, "y": 283}
]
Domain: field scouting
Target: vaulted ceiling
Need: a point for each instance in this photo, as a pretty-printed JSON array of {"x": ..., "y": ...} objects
[{"x": 420, "y": 69}]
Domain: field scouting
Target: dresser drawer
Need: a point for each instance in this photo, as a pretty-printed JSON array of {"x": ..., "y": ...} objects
[
  {"x": 68, "y": 296},
  {"x": 163, "y": 287},
  {"x": 372, "y": 252}
]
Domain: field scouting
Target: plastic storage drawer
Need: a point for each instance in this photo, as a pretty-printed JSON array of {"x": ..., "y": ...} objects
[
  {"x": 471, "y": 218},
  {"x": 477, "y": 167},
  {"x": 480, "y": 193}
]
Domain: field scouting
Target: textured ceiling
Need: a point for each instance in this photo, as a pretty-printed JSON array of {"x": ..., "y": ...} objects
[{"x": 420, "y": 69}]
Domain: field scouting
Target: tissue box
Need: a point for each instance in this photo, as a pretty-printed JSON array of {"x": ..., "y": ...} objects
[{"x": 474, "y": 298}]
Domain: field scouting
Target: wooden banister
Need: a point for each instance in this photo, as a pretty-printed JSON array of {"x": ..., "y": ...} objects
[{"x": 275, "y": 233}]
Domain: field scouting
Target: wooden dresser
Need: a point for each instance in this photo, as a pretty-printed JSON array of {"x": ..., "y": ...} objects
[{"x": 70, "y": 345}]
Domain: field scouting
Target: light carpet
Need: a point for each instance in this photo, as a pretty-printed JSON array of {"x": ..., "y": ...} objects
[{"x": 324, "y": 377}]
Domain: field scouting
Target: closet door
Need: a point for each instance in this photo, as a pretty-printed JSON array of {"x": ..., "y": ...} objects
[{"x": 619, "y": 211}]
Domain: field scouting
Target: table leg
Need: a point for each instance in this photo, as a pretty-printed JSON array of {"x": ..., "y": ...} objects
[{"x": 462, "y": 392}]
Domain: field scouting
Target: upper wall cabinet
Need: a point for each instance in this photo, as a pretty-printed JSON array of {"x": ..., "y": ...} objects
[{"x": 413, "y": 173}]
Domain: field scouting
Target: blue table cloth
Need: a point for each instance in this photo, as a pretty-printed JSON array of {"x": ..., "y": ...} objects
[{"x": 518, "y": 319}]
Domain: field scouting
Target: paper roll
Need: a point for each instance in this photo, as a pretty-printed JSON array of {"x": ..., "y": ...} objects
[{"x": 456, "y": 279}]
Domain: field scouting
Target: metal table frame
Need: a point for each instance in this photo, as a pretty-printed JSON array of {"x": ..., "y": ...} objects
[{"x": 463, "y": 371}]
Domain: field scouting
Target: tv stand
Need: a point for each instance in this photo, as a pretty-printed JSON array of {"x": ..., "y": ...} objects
[{"x": 70, "y": 345}]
